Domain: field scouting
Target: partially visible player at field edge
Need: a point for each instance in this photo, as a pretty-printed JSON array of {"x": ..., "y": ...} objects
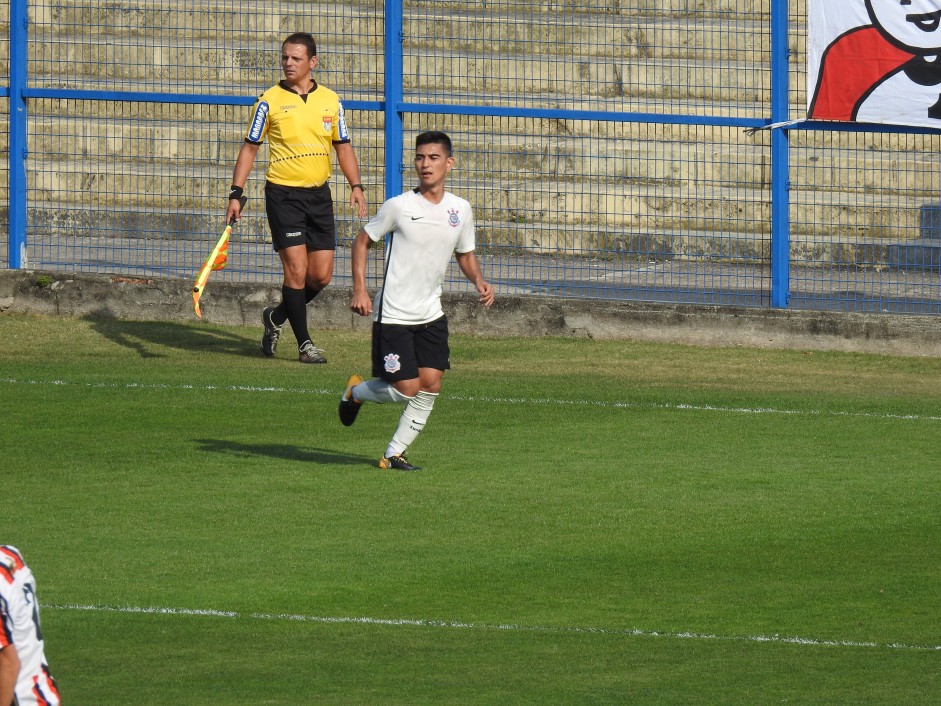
[
  {"x": 24, "y": 674},
  {"x": 410, "y": 353},
  {"x": 303, "y": 121}
]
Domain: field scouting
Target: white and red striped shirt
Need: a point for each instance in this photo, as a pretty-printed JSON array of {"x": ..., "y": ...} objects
[{"x": 19, "y": 626}]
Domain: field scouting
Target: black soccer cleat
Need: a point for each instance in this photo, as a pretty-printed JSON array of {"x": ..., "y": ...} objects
[
  {"x": 309, "y": 353},
  {"x": 269, "y": 339},
  {"x": 349, "y": 407},
  {"x": 397, "y": 463}
]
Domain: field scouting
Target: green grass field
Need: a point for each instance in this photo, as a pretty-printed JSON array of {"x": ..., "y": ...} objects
[{"x": 597, "y": 522}]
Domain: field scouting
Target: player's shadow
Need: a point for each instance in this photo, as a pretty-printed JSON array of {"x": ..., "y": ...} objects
[
  {"x": 284, "y": 452},
  {"x": 147, "y": 337}
]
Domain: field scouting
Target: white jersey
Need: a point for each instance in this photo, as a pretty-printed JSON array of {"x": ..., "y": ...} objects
[
  {"x": 19, "y": 626},
  {"x": 425, "y": 237}
]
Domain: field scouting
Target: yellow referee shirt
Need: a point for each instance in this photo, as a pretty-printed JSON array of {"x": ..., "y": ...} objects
[{"x": 300, "y": 133}]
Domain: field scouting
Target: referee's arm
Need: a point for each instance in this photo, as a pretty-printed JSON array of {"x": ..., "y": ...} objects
[
  {"x": 349, "y": 165},
  {"x": 243, "y": 167}
]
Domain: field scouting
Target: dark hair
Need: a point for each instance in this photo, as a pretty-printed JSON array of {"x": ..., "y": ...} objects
[
  {"x": 304, "y": 38},
  {"x": 434, "y": 137}
]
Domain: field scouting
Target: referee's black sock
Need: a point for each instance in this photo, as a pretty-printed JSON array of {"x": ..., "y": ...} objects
[
  {"x": 279, "y": 315},
  {"x": 295, "y": 304}
]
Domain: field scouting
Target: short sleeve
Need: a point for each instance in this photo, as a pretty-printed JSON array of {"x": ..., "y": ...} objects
[
  {"x": 385, "y": 220},
  {"x": 467, "y": 240},
  {"x": 258, "y": 127},
  {"x": 341, "y": 132}
]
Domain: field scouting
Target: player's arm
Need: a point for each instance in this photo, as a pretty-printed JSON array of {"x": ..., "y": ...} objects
[
  {"x": 470, "y": 266},
  {"x": 243, "y": 167},
  {"x": 361, "y": 302},
  {"x": 9, "y": 671},
  {"x": 349, "y": 165}
]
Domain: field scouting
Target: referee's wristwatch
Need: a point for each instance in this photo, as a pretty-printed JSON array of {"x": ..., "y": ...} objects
[{"x": 357, "y": 186}]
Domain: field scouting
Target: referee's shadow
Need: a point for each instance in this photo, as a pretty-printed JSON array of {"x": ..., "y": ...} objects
[
  {"x": 285, "y": 452},
  {"x": 147, "y": 338}
]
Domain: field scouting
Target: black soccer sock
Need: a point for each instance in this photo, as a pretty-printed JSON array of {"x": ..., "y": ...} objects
[
  {"x": 293, "y": 302},
  {"x": 310, "y": 293},
  {"x": 279, "y": 314}
]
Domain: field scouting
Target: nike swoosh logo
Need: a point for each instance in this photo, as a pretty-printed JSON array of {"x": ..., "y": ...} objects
[{"x": 417, "y": 218}]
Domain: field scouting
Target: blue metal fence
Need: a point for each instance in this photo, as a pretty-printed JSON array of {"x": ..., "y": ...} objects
[{"x": 612, "y": 150}]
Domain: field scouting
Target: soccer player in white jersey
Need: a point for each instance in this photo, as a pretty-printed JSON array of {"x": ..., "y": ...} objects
[
  {"x": 410, "y": 353},
  {"x": 24, "y": 675}
]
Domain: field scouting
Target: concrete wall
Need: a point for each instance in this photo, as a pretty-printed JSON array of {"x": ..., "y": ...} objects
[{"x": 75, "y": 295}]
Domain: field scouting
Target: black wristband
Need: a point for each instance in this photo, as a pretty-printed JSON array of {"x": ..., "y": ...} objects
[
  {"x": 235, "y": 192},
  {"x": 357, "y": 186}
]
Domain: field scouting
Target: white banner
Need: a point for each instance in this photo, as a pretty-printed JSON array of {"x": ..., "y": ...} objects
[{"x": 875, "y": 61}]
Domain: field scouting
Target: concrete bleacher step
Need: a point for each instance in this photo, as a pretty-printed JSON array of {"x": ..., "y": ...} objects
[
  {"x": 117, "y": 67},
  {"x": 164, "y": 128},
  {"x": 620, "y": 244},
  {"x": 578, "y": 26},
  {"x": 195, "y": 159},
  {"x": 708, "y": 208},
  {"x": 532, "y": 33},
  {"x": 666, "y": 9},
  {"x": 533, "y": 209},
  {"x": 582, "y": 36}
]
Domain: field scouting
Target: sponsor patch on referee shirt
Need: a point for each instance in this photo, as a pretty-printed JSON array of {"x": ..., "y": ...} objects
[{"x": 258, "y": 122}]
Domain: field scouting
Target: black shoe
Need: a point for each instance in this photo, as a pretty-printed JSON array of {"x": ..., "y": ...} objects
[
  {"x": 397, "y": 463},
  {"x": 349, "y": 407},
  {"x": 309, "y": 353},
  {"x": 269, "y": 340}
]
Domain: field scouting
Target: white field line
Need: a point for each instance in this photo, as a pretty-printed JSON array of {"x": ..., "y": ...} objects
[
  {"x": 492, "y": 400},
  {"x": 458, "y": 625}
]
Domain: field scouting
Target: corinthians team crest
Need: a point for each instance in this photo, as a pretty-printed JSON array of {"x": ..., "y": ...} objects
[
  {"x": 392, "y": 363},
  {"x": 454, "y": 217}
]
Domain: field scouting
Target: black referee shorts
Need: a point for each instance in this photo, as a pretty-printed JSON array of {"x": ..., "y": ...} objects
[
  {"x": 300, "y": 215},
  {"x": 399, "y": 351}
]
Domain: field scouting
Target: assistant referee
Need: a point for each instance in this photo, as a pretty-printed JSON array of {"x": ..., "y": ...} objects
[{"x": 303, "y": 121}]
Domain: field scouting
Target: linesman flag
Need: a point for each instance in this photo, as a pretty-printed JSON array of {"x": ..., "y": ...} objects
[{"x": 216, "y": 261}]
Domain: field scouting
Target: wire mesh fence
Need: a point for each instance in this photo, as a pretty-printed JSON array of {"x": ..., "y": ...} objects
[
  {"x": 4, "y": 182},
  {"x": 865, "y": 221},
  {"x": 615, "y": 210},
  {"x": 603, "y": 145},
  {"x": 674, "y": 58},
  {"x": 220, "y": 47},
  {"x": 4, "y": 133}
]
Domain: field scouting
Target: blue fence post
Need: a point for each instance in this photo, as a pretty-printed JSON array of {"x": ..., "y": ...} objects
[
  {"x": 780, "y": 158},
  {"x": 19, "y": 19},
  {"x": 392, "y": 91}
]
